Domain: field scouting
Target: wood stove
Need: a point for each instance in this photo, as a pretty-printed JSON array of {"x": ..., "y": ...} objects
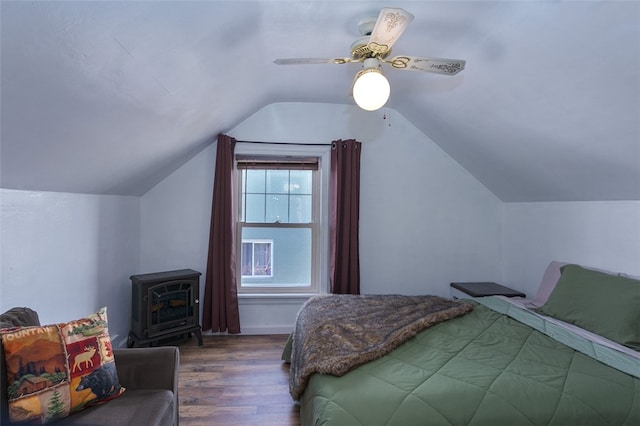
[{"x": 164, "y": 305}]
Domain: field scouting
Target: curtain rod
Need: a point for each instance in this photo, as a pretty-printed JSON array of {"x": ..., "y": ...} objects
[{"x": 286, "y": 143}]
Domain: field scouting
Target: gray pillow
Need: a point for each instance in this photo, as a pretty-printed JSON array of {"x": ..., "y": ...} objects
[{"x": 19, "y": 317}]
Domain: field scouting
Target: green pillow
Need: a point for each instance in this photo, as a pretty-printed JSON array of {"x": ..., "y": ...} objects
[{"x": 608, "y": 305}]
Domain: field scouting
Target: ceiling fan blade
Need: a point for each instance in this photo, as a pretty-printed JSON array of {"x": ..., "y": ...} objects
[
  {"x": 302, "y": 61},
  {"x": 389, "y": 27},
  {"x": 435, "y": 65}
]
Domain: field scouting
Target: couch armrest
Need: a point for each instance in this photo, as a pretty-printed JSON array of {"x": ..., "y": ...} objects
[{"x": 148, "y": 368}]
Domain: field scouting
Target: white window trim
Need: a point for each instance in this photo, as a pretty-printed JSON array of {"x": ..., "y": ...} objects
[{"x": 320, "y": 272}]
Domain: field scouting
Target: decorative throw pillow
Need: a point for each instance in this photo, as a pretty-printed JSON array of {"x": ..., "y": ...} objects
[{"x": 56, "y": 370}]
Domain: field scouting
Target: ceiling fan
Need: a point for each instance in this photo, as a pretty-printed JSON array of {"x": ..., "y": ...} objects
[{"x": 370, "y": 88}]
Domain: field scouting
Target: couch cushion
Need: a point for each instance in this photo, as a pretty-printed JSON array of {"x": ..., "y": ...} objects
[
  {"x": 59, "y": 369},
  {"x": 134, "y": 407}
]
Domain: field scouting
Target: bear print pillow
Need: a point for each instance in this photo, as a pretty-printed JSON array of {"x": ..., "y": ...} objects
[{"x": 56, "y": 370}]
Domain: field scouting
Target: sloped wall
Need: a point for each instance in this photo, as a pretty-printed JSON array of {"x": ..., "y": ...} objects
[{"x": 424, "y": 220}]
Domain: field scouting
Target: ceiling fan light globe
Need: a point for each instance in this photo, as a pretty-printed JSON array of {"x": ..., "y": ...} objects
[{"x": 371, "y": 89}]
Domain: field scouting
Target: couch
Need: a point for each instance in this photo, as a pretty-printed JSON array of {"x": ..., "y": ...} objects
[{"x": 150, "y": 376}]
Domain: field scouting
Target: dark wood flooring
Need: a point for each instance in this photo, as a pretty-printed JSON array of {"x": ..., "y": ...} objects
[{"x": 235, "y": 380}]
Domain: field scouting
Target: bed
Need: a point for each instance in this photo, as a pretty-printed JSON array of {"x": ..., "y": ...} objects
[{"x": 567, "y": 357}]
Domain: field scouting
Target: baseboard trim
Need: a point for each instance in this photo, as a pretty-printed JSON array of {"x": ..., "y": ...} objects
[{"x": 266, "y": 330}]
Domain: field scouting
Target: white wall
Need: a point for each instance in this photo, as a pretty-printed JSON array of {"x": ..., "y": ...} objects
[
  {"x": 67, "y": 255},
  {"x": 175, "y": 219},
  {"x": 424, "y": 221},
  {"x": 605, "y": 235}
]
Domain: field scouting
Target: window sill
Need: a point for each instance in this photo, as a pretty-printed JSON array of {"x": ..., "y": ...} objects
[{"x": 249, "y": 298}]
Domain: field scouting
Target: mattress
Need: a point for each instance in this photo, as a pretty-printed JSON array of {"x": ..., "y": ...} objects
[{"x": 487, "y": 367}]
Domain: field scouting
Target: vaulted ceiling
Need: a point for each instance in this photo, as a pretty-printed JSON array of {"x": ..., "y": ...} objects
[{"x": 109, "y": 97}]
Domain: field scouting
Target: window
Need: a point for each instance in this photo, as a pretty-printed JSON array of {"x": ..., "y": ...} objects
[
  {"x": 280, "y": 212},
  {"x": 256, "y": 258}
]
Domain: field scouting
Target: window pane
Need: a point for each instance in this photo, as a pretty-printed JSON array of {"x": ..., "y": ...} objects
[
  {"x": 255, "y": 181},
  {"x": 247, "y": 259},
  {"x": 255, "y": 208},
  {"x": 300, "y": 182},
  {"x": 300, "y": 209},
  {"x": 278, "y": 181},
  {"x": 291, "y": 260},
  {"x": 277, "y": 209},
  {"x": 288, "y": 196},
  {"x": 243, "y": 211},
  {"x": 262, "y": 259}
]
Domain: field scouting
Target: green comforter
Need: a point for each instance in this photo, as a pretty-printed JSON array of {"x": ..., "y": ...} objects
[{"x": 484, "y": 368}]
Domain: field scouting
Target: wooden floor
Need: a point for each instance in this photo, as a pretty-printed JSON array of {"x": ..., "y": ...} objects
[{"x": 235, "y": 380}]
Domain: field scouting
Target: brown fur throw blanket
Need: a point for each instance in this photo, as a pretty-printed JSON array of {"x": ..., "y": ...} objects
[{"x": 336, "y": 333}]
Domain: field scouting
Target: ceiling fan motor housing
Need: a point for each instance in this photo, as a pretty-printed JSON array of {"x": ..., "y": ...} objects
[
  {"x": 366, "y": 26},
  {"x": 360, "y": 50}
]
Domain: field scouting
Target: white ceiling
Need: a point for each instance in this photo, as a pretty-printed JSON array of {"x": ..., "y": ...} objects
[{"x": 109, "y": 97}]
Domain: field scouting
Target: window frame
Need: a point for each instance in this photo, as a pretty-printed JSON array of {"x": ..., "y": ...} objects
[{"x": 320, "y": 217}]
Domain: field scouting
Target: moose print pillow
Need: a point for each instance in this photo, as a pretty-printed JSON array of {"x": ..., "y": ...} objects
[{"x": 56, "y": 370}]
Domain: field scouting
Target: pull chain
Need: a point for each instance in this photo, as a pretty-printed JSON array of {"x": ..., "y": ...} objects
[{"x": 384, "y": 117}]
